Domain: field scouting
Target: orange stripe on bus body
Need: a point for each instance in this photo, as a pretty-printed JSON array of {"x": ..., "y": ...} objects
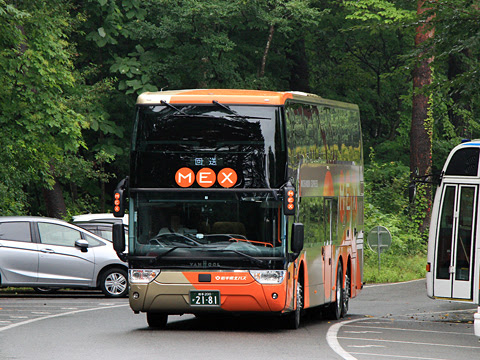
[
  {"x": 230, "y": 97},
  {"x": 240, "y": 292}
]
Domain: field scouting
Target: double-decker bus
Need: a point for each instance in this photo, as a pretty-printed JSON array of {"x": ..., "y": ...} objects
[
  {"x": 242, "y": 201},
  {"x": 453, "y": 259}
]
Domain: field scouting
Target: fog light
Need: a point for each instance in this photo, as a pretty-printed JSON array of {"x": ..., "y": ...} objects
[
  {"x": 274, "y": 296},
  {"x": 135, "y": 295}
]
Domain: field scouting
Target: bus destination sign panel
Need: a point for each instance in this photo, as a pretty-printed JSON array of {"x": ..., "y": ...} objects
[{"x": 206, "y": 177}]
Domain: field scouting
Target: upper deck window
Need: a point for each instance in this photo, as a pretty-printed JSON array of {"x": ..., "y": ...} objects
[
  {"x": 464, "y": 162},
  {"x": 245, "y": 138}
]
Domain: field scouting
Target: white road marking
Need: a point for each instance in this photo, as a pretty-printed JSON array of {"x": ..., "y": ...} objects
[
  {"x": 366, "y": 346},
  {"x": 412, "y": 330},
  {"x": 397, "y": 356},
  {"x": 8, "y": 327},
  {"x": 411, "y": 342},
  {"x": 332, "y": 339}
]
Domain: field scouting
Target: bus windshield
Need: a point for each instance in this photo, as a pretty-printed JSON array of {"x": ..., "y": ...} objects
[
  {"x": 245, "y": 138},
  {"x": 220, "y": 230}
]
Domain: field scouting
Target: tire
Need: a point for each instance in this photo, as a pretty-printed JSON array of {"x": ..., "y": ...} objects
[
  {"x": 44, "y": 290},
  {"x": 346, "y": 295},
  {"x": 293, "y": 319},
  {"x": 335, "y": 308},
  {"x": 157, "y": 320},
  {"x": 114, "y": 283}
]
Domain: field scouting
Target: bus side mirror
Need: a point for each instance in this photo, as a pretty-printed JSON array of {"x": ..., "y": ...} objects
[
  {"x": 118, "y": 235},
  {"x": 296, "y": 244}
]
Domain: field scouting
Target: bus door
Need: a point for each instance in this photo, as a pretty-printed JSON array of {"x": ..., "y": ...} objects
[{"x": 455, "y": 242}]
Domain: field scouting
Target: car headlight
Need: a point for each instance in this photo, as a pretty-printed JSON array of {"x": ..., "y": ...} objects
[
  {"x": 268, "y": 276},
  {"x": 143, "y": 276}
]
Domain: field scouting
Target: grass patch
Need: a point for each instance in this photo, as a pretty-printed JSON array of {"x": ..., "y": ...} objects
[
  {"x": 393, "y": 267},
  {"x": 17, "y": 290}
]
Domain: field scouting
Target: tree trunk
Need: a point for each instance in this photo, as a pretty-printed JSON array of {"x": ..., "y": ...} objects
[
  {"x": 422, "y": 126},
  {"x": 300, "y": 72},
  {"x": 267, "y": 49},
  {"x": 456, "y": 67},
  {"x": 54, "y": 200}
]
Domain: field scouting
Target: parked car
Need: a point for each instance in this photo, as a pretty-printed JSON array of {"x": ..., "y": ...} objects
[
  {"x": 103, "y": 218},
  {"x": 104, "y": 230},
  {"x": 100, "y": 224},
  {"x": 49, "y": 254}
]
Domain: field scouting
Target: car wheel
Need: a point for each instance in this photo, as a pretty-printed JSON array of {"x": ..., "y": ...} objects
[
  {"x": 114, "y": 283},
  {"x": 44, "y": 290},
  {"x": 157, "y": 320}
]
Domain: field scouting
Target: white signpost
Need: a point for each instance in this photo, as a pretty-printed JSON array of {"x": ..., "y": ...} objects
[{"x": 379, "y": 239}]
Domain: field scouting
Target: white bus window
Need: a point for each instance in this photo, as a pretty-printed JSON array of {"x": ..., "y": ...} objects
[{"x": 464, "y": 163}]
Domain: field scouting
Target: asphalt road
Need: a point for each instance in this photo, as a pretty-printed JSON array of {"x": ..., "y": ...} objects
[
  {"x": 384, "y": 322},
  {"x": 398, "y": 321}
]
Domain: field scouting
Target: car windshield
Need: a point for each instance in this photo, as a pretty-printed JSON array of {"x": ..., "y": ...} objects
[{"x": 214, "y": 230}]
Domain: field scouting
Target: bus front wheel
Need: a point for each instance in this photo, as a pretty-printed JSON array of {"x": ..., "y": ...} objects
[
  {"x": 157, "y": 320},
  {"x": 293, "y": 319}
]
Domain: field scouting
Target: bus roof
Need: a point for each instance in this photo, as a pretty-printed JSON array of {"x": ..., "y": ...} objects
[
  {"x": 233, "y": 96},
  {"x": 475, "y": 142}
]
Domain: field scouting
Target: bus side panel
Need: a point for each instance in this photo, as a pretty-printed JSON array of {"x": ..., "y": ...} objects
[{"x": 314, "y": 272}]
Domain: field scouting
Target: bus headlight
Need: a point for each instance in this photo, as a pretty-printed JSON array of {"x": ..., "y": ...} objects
[
  {"x": 268, "y": 276},
  {"x": 143, "y": 276}
]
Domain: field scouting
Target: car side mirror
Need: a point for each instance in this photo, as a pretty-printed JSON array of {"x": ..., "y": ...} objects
[
  {"x": 82, "y": 245},
  {"x": 118, "y": 234},
  {"x": 297, "y": 239}
]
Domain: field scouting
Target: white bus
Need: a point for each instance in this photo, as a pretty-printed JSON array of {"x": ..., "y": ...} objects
[{"x": 453, "y": 261}]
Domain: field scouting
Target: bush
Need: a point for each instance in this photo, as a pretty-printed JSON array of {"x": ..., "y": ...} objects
[{"x": 387, "y": 204}]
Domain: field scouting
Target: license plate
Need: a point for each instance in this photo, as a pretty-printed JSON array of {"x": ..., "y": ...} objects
[{"x": 205, "y": 298}]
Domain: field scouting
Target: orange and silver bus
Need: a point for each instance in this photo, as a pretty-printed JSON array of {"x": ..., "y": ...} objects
[
  {"x": 453, "y": 260},
  {"x": 242, "y": 201}
]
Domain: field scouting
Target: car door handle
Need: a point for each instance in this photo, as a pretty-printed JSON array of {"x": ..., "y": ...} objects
[{"x": 48, "y": 251}]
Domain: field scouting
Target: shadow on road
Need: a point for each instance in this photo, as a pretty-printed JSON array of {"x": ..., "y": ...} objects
[{"x": 61, "y": 293}]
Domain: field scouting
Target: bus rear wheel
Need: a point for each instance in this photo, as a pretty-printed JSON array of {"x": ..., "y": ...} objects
[
  {"x": 335, "y": 309},
  {"x": 157, "y": 320},
  {"x": 346, "y": 295}
]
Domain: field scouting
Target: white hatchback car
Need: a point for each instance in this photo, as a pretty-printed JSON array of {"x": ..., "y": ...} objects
[
  {"x": 102, "y": 218},
  {"x": 48, "y": 254}
]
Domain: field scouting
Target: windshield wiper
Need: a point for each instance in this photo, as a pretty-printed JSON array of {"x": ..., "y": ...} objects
[
  {"x": 172, "y": 249},
  {"x": 236, "y": 114},
  {"x": 163, "y": 102},
  {"x": 251, "y": 258}
]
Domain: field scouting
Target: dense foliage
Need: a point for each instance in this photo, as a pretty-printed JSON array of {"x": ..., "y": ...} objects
[{"x": 70, "y": 71}]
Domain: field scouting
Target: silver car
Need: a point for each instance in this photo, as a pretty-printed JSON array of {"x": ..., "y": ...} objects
[{"x": 48, "y": 254}]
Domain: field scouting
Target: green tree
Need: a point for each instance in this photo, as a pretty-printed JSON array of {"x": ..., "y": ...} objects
[
  {"x": 49, "y": 109},
  {"x": 38, "y": 128}
]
